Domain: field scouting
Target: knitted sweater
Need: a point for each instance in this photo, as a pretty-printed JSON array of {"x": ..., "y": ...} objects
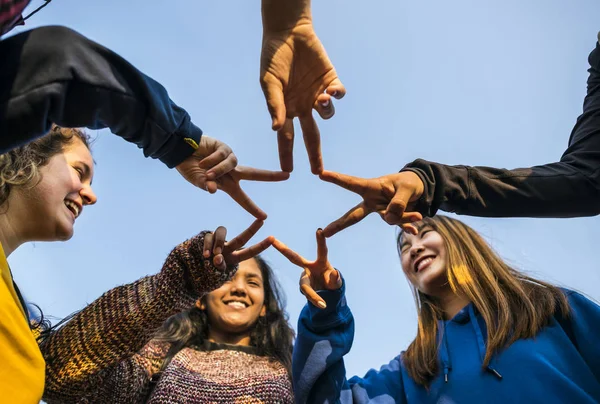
[
  {"x": 90, "y": 351},
  {"x": 215, "y": 373}
]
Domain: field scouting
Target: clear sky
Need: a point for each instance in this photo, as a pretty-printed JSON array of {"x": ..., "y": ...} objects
[{"x": 496, "y": 83}]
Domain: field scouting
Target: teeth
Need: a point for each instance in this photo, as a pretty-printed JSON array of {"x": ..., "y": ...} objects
[
  {"x": 426, "y": 261},
  {"x": 237, "y": 305},
  {"x": 72, "y": 206}
]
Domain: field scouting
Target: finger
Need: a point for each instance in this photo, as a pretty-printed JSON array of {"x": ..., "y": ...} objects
[
  {"x": 312, "y": 141},
  {"x": 253, "y": 250},
  {"x": 399, "y": 202},
  {"x": 353, "y": 216},
  {"x": 241, "y": 239},
  {"x": 211, "y": 186},
  {"x": 407, "y": 217},
  {"x": 353, "y": 184},
  {"x": 237, "y": 194},
  {"x": 410, "y": 228},
  {"x": 312, "y": 296},
  {"x": 290, "y": 254},
  {"x": 256, "y": 174},
  {"x": 324, "y": 106},
  {"x": 285, "y": 144},
  {"x": 208, "y": 245},
  {"x": 219, "y": 262},
  {"x": 221, "y": 167},
  {"x": 219, "y": 240},
  {"x": 321, "y": 246},
  {"x": 273, "y": 91},
  {"x": 336, "y": 89},
  {"x": 335, "y": 279}
]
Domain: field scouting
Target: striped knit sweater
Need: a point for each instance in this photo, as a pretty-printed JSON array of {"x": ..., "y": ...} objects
[{"x": 97, "y": 347}]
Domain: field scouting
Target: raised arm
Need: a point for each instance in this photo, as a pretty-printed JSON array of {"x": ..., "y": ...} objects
[{"x": 81, "y": 356}]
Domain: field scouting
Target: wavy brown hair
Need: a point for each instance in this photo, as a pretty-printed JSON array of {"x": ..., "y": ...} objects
[
  {"x": 272, "y": 335},
  {"x": 20, "y": 166},
  {"x": 512, "y": 304}
]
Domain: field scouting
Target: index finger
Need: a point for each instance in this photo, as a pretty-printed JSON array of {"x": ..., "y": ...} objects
[
  {"x": 285, "y": 145},
  {"x": 290, "y": 254},
  {"x": 353, "y": 216},
  {"x": 353, "y": 184},
  {"x": 236, "y": 193},
  {"x": 312, "y": 141},
  {"x": 257, "y": 174},
  {"x": 321, "y": 246},
  {"x": 253, "y": 250},
  {"x": 241, "y": 239}
]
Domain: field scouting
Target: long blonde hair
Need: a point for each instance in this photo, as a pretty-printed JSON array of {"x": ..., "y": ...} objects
[{"x": 512, "y": 304}]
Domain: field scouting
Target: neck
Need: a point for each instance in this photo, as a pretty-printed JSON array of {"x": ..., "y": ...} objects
[
  {"x": 451, "y": 304},
  {"x": 228, "y": 338},
  {"x": 10, "y": 236}
]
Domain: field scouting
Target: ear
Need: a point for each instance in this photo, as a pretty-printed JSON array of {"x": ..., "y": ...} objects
[
  {"x": 263, "y": 311},
  {"x": 200, "y": 303}
]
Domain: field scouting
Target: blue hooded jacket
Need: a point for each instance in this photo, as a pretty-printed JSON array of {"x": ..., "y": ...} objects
[{"x": 560, "y": 365}]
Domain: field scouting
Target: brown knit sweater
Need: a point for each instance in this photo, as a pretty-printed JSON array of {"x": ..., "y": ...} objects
[{"x": 95, "y": 351}]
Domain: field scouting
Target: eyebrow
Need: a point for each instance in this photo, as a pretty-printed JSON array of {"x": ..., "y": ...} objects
[{"x": 249, "y": 276}]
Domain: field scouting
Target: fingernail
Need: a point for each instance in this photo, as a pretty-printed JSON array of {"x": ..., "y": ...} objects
[
  {"x": 321, "y": 304},
  {"x": 206, "y": 254},
  {"x": 324, "y": 103},
  {"x": 334, "y": 93},
  {"x": 218, "y": 260}
]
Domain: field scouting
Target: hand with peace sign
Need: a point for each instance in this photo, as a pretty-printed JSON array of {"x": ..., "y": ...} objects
[
  {"x": 390, "y": 196},
  {"x": 317, "y": 275},
  {"x": 214, "y": 166},
  {"x": 231, "y": 253},
  {"x": 191, "y": 260}
]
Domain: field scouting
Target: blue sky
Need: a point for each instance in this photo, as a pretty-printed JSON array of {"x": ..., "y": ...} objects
[{"x": 496, "y": 83}]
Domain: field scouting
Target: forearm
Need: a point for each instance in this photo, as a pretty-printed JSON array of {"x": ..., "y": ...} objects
[
  {"x": 122, "y": 321},
  {"x": 283, "y": 15},
  {"x": 567, "y": 188},
  {"x": 55, "y": 75},
  {"x": 324, "y": 337}
]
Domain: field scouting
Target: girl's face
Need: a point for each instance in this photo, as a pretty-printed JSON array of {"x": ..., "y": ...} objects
[
  {"x": 57, "y": 200},
  {"x": 423, "y": 257},
  {"x": 234, "y": 308}
]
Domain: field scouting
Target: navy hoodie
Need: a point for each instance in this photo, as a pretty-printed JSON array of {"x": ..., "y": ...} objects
[{"x": 560, "y": 365}]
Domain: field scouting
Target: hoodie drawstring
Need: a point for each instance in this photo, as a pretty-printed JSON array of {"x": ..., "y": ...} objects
[
  {"x": 480, "y": 341},
  {"x": 444, "y": 352}
]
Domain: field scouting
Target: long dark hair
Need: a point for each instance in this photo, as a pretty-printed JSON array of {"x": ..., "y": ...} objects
[{"x": 272, "y": 335}]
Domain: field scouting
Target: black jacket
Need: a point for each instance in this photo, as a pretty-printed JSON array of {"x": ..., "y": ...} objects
[
  {"x": 568, "y": 188},
  {"x": 55, "y": 75}
]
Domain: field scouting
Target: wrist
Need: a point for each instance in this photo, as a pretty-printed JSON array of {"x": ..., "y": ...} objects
[{"x": 284, "y": 15}]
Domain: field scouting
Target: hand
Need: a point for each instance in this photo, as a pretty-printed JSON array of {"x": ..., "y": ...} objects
[
  {"x": 296, "y": 76},
  {"x": 213, "y": 166},
  {"x": 211, "y": 160},
  {"x": 317, "y": 275},
  {"x": 230, "y": 253},
  {"x": 390, "y": 196}
]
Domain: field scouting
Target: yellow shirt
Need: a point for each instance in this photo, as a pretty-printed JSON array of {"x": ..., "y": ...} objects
[{"x": 22, "y": 367}]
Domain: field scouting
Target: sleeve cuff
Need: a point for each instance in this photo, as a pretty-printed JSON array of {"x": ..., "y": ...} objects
[{"x": 183, "y": 144}]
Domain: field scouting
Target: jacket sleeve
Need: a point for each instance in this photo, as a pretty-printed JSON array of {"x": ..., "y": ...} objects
[
  {"x": 55, "y": 75},
  {"x": 319, "y": 374},
  {"x": 567, "y": 188},
  {"x": 80, "y": 355},
  {"x": 584, "y": 322}
]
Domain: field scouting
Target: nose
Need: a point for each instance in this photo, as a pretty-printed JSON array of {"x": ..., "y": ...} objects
[
  {"x": 88, "y": 195},
  {"x": 416, "y": 250},
  {"x": 238, "y": 287}
]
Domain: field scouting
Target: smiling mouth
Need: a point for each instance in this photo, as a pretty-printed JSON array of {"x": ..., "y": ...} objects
[
  {"x": 422, "y": 263},
  {"x": 236, "y": 304},
  {"x": 73, "y": 207}
]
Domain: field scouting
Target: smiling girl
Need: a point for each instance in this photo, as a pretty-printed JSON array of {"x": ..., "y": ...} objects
[{"x": 486, "y": 332}]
